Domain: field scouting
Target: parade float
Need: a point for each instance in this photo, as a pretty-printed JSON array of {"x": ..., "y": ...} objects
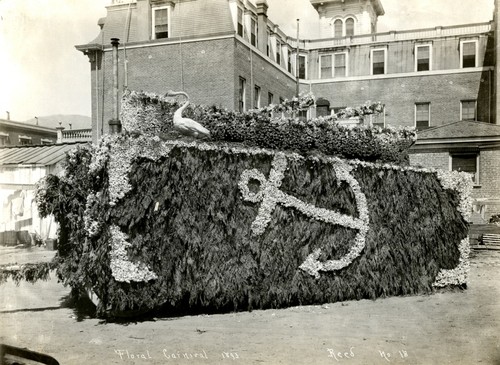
[{"x": 265, "y": 210}]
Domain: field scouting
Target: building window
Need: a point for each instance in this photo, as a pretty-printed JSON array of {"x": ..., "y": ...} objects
[
  {"x": 378, "y": 61},
  {"x": 468, "y": 54},
  {"x": 322, "y": 111},
  {"x": 422, "y": 58},
  {"x": 422, "y": 115},
  {"x": 337, "y": 28},
  {"x": 241, "y": 94},
  {"x": 468, "y": 110},
  {"x": 322, "y": 107},
  {"x": 240, "y": 22},
  {"x": 349, "y": 27},
  {"x": 302, "y": 67},
  {"x": 278, "y": 52},
  {"x": 268, "y": 47},
  {"x": 289, "y": 61},
  {"x": 161, "y": 24},
  {"x": 253, "y": 32},
  {"x": 343, "y": 28},
  {"x": 4, "y": 139},
  {"x": 45, "y": 141},
  {"x": 256, "y": 97},
  {"x": 340, "y": 68},
  {"x": 466, "y": 162},
  {"x": 325, "y": 66},
  {"x": 270, "y": 98},
  {"x": 25, "y": 140}
]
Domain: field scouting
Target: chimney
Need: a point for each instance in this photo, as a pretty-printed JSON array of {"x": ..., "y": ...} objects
[
  {"x": 8, "y": 115},
  {"x": 115, "y": 125},
  {"x": 59, "y": 133},
  {"x": 36, "y": 120},
  {"x": 262, "y": 25}
]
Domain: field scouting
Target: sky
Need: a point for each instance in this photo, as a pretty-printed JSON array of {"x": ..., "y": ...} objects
[{"x": 43, "y": 74}]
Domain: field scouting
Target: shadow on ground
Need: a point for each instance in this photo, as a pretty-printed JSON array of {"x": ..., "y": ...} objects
[{"x": 82, "y": 306}]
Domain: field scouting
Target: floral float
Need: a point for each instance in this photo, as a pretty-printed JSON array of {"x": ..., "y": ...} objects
[{"x": 270, "y": 211}]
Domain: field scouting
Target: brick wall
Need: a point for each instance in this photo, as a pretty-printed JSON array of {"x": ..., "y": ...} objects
[
  {"x": 95, "y": 96},
  {"x": 489, "y": 169},
  {"x": 487, "y": 194},
  {"x": 202, "y": 69},
  {"x": 444, "y": 92},
  {"x": 258, "y": 70},
  {"x": 206, "y": 73},
  {"x": 209, "y": 73},
  {"x": 489, "y": 174}
]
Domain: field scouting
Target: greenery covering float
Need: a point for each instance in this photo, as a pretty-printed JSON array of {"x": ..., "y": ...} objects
[
  {"x": 268, "y": 127},
  {"x": 147, "y": 221}
]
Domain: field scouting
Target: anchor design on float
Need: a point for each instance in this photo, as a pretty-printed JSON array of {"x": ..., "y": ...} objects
[{"x": 269, "y": 195}]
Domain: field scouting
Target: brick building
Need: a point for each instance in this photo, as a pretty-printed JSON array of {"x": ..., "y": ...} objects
[{"x": 229, "y": 53}]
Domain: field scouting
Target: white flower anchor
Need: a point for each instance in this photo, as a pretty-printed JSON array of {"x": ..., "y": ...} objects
[{"x": 269, "y": 195}]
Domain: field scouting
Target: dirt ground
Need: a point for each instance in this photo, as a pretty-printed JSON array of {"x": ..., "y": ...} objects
[{"x": 461, "y": 327}]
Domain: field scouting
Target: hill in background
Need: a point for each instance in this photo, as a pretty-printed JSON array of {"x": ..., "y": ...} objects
[{"x": 52, "y": 121}]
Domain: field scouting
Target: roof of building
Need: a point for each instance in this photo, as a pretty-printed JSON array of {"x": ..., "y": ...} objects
[
  {"x": 377, "y": 5},
  {"x": 461, "y": 130},
  {"x": 192, "y": 19},
  {"x": 20, "y": 125},
  {"x": 35, "y": 155}
]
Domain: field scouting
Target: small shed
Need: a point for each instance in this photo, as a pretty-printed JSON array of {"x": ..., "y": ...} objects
[{"x": 21, "y": 167}]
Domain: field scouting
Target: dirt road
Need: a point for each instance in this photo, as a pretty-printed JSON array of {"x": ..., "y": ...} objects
[{"x": 444, "y": 328}]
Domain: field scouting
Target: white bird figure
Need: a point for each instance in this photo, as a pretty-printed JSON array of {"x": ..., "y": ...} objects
[{"x": 187, "y": 126}]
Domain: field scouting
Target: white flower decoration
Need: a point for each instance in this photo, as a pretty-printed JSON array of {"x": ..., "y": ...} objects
[
  {"x": 270, "y": 195},
  {"x": 459, "y": 274},
  {"x": 122, "y": 268}
]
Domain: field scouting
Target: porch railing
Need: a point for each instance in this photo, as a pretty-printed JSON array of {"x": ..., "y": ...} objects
[{"x": 72, "y": 135}]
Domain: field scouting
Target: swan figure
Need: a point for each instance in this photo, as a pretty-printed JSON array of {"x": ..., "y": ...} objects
[{"x": 187, "y": 126}]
